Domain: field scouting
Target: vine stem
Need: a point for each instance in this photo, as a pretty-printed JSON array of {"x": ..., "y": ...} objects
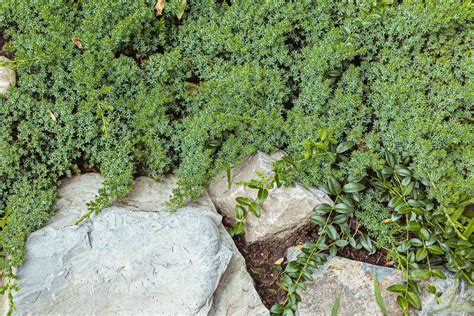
[{"x": 314, "y": 251}]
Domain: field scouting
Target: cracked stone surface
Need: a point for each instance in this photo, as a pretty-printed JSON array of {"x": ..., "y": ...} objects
[
  {"x": 356, "y": 281},
  {"x": 285, "y": 210},
  {"x": 134, "y": 258},
  {"x": 7, "y": 76}
]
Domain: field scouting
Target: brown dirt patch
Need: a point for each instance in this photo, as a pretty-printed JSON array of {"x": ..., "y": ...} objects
[{"x": 260, "y": 258}]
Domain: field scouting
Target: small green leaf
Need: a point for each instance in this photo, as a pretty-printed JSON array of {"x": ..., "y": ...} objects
[
  {"x": 322, "y": 208},
  {"x": 397, "y": 288},
  {"x": 414, "y": 300},
  {"x": 420, "y": 274},
  {"x": 344, "y": 146},
  {"x": 424, "y": 234},
  {"x": 353, "y": 242},
  {"x": 390, "y": 159},
  {"x": 229, "y": 180},
  {"x": 378, "y": 296},
  {"x": 413, "y": 226},
  {"x": 318, "y": 220},
  {"x": 292, "y": 266},
  {"x": 243, "y": 201},
  {"x": 239, "y": 212},
  {"x": 440, "y": 274},
  {"x": 239, "y": 229},
  {"x": 402, "y": 302},
  {"x": 353, "y": 187},
  {"x": 334, "y": 186},
  {"x": 435, "y": 249},
  {"x": 342, "y": 243},
  {"x": 421, "y": 254},
  {"x": 340, "y": 219},
  {"x": 277, "y": 309},
  {"x": 337, "y": 304},
  {"x": 407, "y": 190},
  {"x": 332, "y": 232},
  {"x": 262, "y": 195},
  {"x": 182, "y": 8},
  {"x": 343, "y": 208},
  {"x": 255, "y": 209}
]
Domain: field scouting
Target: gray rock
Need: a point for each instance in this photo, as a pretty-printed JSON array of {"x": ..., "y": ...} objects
[
  {"x": 236, "y": 295},
  {"x": 285, "y": 209},
  {"x": 7, "y": 76},
  {"x": 134, "y": 258},
  {"x": 356, "y": 281},
  {"x": 125, "y": 263}
]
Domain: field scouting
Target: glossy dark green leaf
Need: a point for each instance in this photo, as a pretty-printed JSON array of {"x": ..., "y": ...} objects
[
  {"x": 402, "y": 302},
  {"x": 332, "y": 232},
  {"x": 343, "y": 208},
  {"x": 337, "y": 304},
  {"x": 262, "y": 195},
  {"x": 255, "y": 209},
  {"x": 342, "y": 243},
  {"x": 378, "y": 296},
  {"x": 243, "y": 201},
  {"x": 322, "y": 208},
  {"x": 277, "y": 309},
  {"x": 318, "y": 220},
  {"x": 440, "y": 274},
  {"x": 420, "y": 274},
  {"x": 390, "y": 159},
  {"x": 340, "y": 219},
  {"x": 435, "y": 249},
  {"x": 334, "y": 186},
  {"x": 421, "y": 254},
  {"x": 353, "y": 187},
  {"x": 414, "y": 300},
  {"x": 239, "y": 212},
  {"x": 344, "y": 146},
  {"x": 397, "y": 288},
  {"x": 292, "y": 266},
  {"x": 424, "y": 234}
]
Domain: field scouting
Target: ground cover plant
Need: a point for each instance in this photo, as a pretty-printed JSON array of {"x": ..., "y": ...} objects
[{"x": 140, "y": 87}]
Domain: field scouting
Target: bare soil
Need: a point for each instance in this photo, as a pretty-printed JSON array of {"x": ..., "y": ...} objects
[{"x": 261, "y": 256}]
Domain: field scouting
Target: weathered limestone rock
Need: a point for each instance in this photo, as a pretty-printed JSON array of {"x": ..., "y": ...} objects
[
  {"x": 7, "y": 76},
  {"x": 356, "y": 281},
  {"x": 134, "y": 258},
  {"x": 285, "y": 209},
  {"x": 236, "y": 295}
]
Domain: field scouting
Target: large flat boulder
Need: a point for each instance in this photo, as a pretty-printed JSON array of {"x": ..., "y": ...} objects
[
  {"x": 286, "y": 209},
  {"x": 135, "y": 257},
  {"x": 7, "y": 76},
  {"x": 355, "y": 280}
]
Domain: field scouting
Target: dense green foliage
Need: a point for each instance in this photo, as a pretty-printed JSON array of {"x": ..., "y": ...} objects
[
  {"x": 420, "y": 234},
  {"x": 114, "y": 86}
]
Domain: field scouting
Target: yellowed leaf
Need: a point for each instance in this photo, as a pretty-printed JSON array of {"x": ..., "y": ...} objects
[
  {"x": 160, "y": 5},
  {"x": 299, "y": 246},
  {"x": 51, "y": 115},
  {"x": 181, "y": 9},
  {"x": 77, "y": 43},
  {"x": 279, "y": 261},
  {"x": 387, "y": 220}
]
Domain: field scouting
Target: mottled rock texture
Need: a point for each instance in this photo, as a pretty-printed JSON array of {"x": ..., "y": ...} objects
[
  {"x": 134, "y": 258},
  {"x": 7, "y": 76},
  {"x": 286, "y": 209},
  {"x": 356, "y": 281}
]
